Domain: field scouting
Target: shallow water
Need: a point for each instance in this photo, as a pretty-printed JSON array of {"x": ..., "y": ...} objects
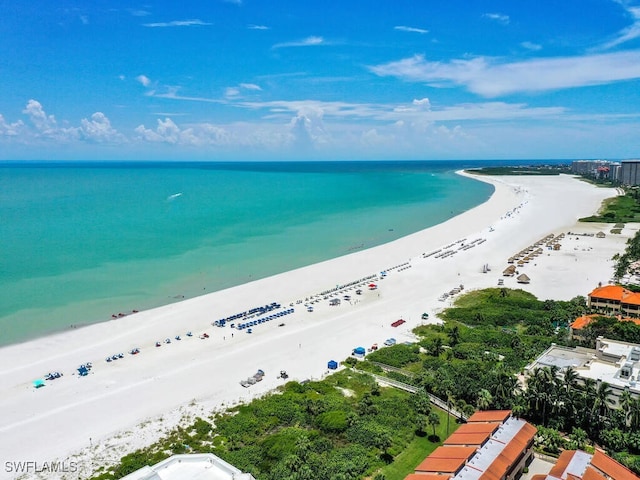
[{"x": 82, "y": 241}]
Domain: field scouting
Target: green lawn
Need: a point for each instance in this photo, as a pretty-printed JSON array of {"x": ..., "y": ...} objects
[{"x": 406, "y": 462}]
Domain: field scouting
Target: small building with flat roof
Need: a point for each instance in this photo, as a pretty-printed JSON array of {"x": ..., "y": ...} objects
[{"x": 197, "y": 466}]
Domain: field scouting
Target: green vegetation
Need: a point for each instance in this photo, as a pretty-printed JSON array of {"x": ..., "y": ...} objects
[
  {"x": 611, "y": 327},
  {"x": 621, "y": 209},
  {"x": 523, "y": 170},
  {"x": 344, "y": 427},
  {"x": 347, "y": 427},
  {"x": 488, "y": 336},
  {"x": 630, "y": 255}
]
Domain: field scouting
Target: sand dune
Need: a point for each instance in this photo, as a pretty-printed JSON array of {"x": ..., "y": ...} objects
[{"x": 97, "y": 418}]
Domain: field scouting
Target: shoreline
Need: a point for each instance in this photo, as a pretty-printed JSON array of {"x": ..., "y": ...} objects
[
  {"x": 45, "y": 305},
  {"x": 196, "y": 374}
]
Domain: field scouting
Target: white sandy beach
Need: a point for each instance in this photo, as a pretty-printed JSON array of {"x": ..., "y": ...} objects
[{"x": 97, "y": 418}]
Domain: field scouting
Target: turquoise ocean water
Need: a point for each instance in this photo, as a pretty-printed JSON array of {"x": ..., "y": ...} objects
[{"x": 81, "y": 241}]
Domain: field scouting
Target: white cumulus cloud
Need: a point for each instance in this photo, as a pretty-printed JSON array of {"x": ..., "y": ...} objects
[
  {"x": 38, "y": 117},
  {"x": 99, "y": 129},
  {"x": 491, "y": 77},
  {"x": 143, "y": 80}
]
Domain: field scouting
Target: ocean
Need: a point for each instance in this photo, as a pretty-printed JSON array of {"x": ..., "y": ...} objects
[{"x": 83, "y": 241}]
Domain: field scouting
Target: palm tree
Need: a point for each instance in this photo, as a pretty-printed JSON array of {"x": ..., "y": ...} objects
[
  {"x": 634, "y": 414},
  {"x": 484, "y": 399},
  {"x": 570, "y": 379},
  {"x": 454, "y": 336},
  {"x": 434, "y": 421},
  {"x": 625, "y": 403},
  {"x": 450, "y": 401},
  {"x": 603, "y": 401},
  {"x": 504, "y": 387},
  {"x": 437, "y": 347}
]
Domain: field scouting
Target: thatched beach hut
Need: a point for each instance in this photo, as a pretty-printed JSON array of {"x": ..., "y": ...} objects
[
  {"x": 523, "y": 278},
  {"x": 509, "y": 271}
]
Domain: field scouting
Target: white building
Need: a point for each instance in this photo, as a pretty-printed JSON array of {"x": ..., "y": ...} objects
[
  {"x": 200, "y": 466},
  {"x": 613, "y": 362}
]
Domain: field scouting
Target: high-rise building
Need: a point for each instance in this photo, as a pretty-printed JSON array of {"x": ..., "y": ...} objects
[{"x": 630, "y": 172}]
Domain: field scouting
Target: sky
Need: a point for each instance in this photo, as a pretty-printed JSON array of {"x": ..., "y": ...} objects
[{"x": 319, "y": 80}]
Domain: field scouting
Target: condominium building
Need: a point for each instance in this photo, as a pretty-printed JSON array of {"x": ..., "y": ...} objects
[
  {"x": 495, "y": 445},
  {"x": 630, "y": 172},
  {"x": 492, "y": 445}
]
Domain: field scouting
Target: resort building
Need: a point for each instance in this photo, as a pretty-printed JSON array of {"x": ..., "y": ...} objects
[
  {"x": 201, "y": 466},
  {"x": 614, "y": 299},
  {"x": 492, "y": 445},
  {"x": 579, "y": 465},
  {"x": 613, "y": 362}
]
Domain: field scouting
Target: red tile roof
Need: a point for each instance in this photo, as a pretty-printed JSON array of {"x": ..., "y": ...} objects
[
  {"x": 490, "y": 416},
  {"x": 440, "y": 465},
  {"x": 581, "y": 322},
  {"x": 563, "y": 462},
  {"x": 591, "y": 474},
  {"x": 611, "y": 468},
  {"x": 476, "y": 439},
  {"x": 510, "y": 453},
  {"x": 609, "y": 292},
  {"x": 453, "y": 452},
  {"x": 426, "y": 476},
  {"x": 599, "y": 462},
  {"x": 616, "y": 292}
]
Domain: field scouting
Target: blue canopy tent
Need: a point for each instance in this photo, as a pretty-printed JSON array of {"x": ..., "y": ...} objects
[
  {"x": 359, "y": 351},
  {"x": 332, "y": 365},
  {"x": 39, "y": 383},
  {"x": 83, "y": 371}
]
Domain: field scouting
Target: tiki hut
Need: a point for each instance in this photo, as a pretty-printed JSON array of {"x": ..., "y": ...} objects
[
  {"x": 509, "y": 271},
  {"x": 523, "y": 278},
  {"x": 600, "y": 235}
]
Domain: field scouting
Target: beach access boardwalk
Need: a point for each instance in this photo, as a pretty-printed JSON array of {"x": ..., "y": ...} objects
[{"x": 382, "y": 380}]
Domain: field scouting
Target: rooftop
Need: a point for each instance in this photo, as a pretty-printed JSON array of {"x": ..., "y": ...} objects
[
  {"x": 490, "y": 416},
  {"x": 616, "y": 292},
  {"x": 564, "y": 357},
  {"x": 579, "y": 465},
  {"x": 603, "y": 365},
  {"x": 204, "y": 466}
]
